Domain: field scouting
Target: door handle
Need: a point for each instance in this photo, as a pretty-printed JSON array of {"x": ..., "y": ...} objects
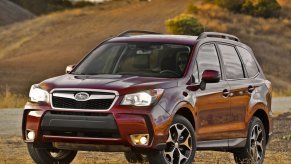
[
  {"x": 226, "y": 93},
  {"x": 251, "y": 88}
]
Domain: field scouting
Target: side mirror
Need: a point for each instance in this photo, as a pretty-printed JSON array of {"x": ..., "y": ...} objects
[
  {"x": 70, "y": 68},
  {"x": 210, "y": 76}
]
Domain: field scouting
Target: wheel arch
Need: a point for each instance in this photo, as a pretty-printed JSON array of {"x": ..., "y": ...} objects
[
  {"x": 184, "y": 109},
  {"x": 262, "y": 115}
]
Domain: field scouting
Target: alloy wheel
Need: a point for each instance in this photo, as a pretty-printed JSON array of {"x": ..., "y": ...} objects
[
  {"x": 179, "y": 144},
  {"x": 257, "y": 144}
]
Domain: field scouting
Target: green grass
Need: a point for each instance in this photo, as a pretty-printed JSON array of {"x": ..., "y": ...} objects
[
  {"x": 287, "y": 137},
  {"x": 11, "y": 100}
]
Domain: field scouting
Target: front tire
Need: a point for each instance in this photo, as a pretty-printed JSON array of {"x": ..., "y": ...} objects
[
  {"x": 254, "y": 151},
  {"x": 180, "y": 145},
  {"x": 133, "y": 157},
  {"x": 47, "y": 156}
]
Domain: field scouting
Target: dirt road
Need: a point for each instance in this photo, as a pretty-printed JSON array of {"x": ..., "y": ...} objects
[{"x": 13, "y": 150}]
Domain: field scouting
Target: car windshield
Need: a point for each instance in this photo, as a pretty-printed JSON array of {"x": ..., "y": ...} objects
[{"x": 137, "y": 59}]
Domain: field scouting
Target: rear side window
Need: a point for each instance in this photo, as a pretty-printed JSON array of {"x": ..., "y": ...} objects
[
  {"x": 207, "y": 59},
  {"x": 249, "y": 62},
  {"x": 232, "y": 64}
]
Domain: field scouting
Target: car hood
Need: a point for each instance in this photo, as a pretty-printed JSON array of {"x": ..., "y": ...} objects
[{"x": 123, "y": 84}]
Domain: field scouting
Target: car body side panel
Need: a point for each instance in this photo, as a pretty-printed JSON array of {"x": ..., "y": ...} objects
[
  {"x": 239, "y": 100},
  {"x": 263, "y": 95}
]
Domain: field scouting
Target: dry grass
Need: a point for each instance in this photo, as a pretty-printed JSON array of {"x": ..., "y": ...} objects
[
  {"x": 11, "y": 100},
  {"x": 282, "y": 93}
]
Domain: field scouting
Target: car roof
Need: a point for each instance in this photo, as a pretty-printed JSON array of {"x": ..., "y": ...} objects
[
  {"x": 157, "y": 38},
  {"x": 154, "y": 37}
]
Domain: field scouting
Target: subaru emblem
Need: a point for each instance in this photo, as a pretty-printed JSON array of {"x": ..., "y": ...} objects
[{"x": 82, "y": 96}]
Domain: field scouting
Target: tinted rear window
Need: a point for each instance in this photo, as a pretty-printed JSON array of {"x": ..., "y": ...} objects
[
  {"x": 232, "y": 64},
  {"x": 249, "y": 62}
]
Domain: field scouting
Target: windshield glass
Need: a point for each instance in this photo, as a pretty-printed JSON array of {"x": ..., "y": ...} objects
[{"x": 138, "y": 59}]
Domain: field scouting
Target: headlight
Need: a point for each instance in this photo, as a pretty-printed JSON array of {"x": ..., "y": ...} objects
[
  {"x": 145, "y": 98},
  {"x": 37, "y": 94}
]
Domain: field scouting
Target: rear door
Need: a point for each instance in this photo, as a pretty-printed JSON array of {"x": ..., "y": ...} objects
[
  {"x": 240, "y": 89},
  {"x": 212, "y": 107}
]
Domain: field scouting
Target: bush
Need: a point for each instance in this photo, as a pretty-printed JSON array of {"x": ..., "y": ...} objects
[
  {"x": 184, "y": 25},
  {"x": 263, "y": 8},
  {"x": 233, "y": 5}
]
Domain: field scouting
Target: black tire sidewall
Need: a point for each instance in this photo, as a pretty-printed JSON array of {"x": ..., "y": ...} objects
[{"x": 41, "y": 156}]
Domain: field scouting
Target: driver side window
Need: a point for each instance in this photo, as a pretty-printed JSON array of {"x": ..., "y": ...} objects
[{"x": 207, "y": 59}]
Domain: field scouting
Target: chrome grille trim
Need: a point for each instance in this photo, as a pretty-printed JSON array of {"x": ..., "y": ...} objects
[{"x": 92, "y": 97}]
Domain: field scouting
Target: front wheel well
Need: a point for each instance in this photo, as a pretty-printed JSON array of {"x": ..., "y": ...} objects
[
  {"x": 185, "y": 112},
  {"x": 261, "y": 114}
]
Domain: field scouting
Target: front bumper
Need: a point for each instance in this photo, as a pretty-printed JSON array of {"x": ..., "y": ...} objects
[{"x": 98, "y": 129}]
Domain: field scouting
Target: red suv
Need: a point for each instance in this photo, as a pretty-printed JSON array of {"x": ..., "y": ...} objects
[{"x": 154, "y": 97}]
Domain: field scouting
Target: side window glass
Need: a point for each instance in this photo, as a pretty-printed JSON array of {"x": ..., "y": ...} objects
[
  {"x": 207, "y": 59},
  {"x": 232, "y": 64},
  {"x": 249, "y": 62}
]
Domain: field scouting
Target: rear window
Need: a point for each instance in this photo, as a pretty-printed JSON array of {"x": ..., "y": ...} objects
[
  {"x": 249, "y": 61},
  {"x": 232, "y": 64}
]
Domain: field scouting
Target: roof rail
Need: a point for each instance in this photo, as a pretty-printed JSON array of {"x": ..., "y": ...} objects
[
  {"x": 125, "y": 33},
  {"x": 218, "y": 35}
]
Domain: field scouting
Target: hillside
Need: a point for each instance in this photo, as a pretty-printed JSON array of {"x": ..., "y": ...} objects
[
  {"x": 10, "y": 13},
  {"x": 41, "y": 48},
  {"x": 269, "y": 38}
]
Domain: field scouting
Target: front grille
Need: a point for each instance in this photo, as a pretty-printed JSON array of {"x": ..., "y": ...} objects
[{"x": 69, "y": 102}]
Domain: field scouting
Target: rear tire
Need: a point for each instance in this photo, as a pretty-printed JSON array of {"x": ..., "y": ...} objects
[
  {"x": 180, "y": 146},
  {"x": 254, "y": 151},
  {"x": 47, "y": 156}
]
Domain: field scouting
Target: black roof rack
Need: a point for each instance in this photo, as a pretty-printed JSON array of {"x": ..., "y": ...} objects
[
  {"x": 218, "y": 35},
  {"x": 126, "y": 33}
]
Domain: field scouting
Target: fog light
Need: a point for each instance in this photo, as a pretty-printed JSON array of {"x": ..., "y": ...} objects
[
  {"x": 30, "y": 135},
  {"x": 140, "y": 139},
  {"x": 143, "y": 140}
]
